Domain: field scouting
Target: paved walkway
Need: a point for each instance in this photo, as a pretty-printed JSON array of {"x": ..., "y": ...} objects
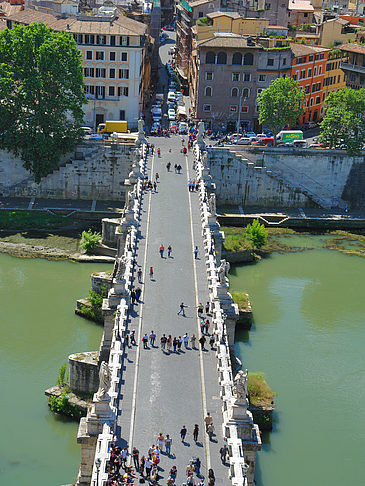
[{"x": 161, "y": 391}]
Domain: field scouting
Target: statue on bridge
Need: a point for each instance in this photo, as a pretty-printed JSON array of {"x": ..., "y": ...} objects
[
  {"x": 212, "y": 204},
  {"x": 200, "y": 134},
  {"x": 119, "y": 274},
  {"x": 223, "y": 271},
  {"x": 240, "y": 387},
  {"x": 105, "y": 380}
]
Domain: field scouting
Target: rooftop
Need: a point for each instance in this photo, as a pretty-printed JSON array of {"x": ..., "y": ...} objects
[
  {"x": 229, "y": 40},
  {"x": 303, "y": 50},
  {"x": 301, "y": 5},
  {"x": 232, "y": 15},
  {"x": 352, "y": 48}
]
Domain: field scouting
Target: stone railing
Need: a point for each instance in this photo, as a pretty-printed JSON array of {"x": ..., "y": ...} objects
[
  {"x": 96, "y": 430},
  {"x": 242, "y": 435}
]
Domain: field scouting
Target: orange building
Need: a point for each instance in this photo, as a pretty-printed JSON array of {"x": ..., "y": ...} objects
[{"x": 308, "y": 67}]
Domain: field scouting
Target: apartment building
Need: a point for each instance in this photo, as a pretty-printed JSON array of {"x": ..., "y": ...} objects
[
  {"x": 114, "y": 61},
  {"x": 228, "y": 72},
  {"x": 308, "y": 67},
  {"x": 300, "y": 12},
  {"x": 353, "y": 65}
]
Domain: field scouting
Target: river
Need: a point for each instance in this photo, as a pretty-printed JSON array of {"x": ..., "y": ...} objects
[
  {"x": 38, "y": 331},
  {"x": 308, "y": 338}
]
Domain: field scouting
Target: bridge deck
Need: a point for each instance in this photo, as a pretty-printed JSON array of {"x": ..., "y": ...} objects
[{"x": 161, "y": 392}]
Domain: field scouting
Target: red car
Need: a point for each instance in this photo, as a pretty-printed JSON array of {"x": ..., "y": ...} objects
[
  {"x": 268, "y": 142},
  {"x": 173, "y": 128}
]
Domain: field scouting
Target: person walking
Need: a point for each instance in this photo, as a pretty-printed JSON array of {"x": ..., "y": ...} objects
[
  {"x": 196, "y": 432},
  {"x": 223, "y": 451},
  {"x": 138, "y": 293},
  {"x": 168, "y": 443},
  {"x": 152, "y": 338},
  {"x": 183, "y": 432},
  {"x": 179, "y": 343},
  {"x": 133, "y": 337},
  {"x": 169, "y": 251},
  {"x": 163, "y": 341},
  {"x": 162, "y": 249},
  {"x": 169, "y": 343},
  {"x": 193, "y": 341},
  {"x": 212, "y": 341},
  {"x": 173, "y": 472},
  {"x": 151, "y": 273},
  {"x": 206, "y": 326},
  {"x": 124, "y": 455},
  {"x": 175, "y": 167},
  {"x": 133, "y": 296},
  {"x": 145, "y": 341},
  {"x": 159, "y": 152},
  {"x": 148, "y": 466},
  {"x": 160, "y": 440},
  {"x": 208, "y": 421},
  {"x": 126, "y": 340},
  {"x": 174, "y": 343},
  {"x": 200, "y": 308},
  {"x": 196, "y": 252},
  {"x": 168, "y": 165},
  {"x": 197, "y": 465},
  {"x": 141, "y": 465},
  {"x": 157, "y": 176},
  {"x": 210, "y": 431},
  {"x": 207, "y": 307},
  {"x": 182, "y": 309},
  {"x": 135, "y": 456},
  {"x": 190, "y": 481},
  {"x": 186, "y": 340},
  {"x": 139, "y": 275},
  {"x": 202, "y": 342},
  {"x": 155, "y": 186}
]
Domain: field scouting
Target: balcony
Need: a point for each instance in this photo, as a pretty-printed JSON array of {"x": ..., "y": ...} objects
[{"x": 346, "y": 66}]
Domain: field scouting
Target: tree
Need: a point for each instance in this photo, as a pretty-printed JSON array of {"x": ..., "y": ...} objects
[
  {"x": 281, "y": 104},
  {"x": 344, "y": 122},
  {"x": 256, "y": 233},
  {"x": 41, "y": 92}
]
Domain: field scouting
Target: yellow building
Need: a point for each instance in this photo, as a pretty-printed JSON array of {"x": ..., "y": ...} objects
[
  {"x": 336, "y": 31},
  {"x": 334, "y": 78}
]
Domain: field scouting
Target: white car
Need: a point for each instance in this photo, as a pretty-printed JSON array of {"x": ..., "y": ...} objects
[
  {"x": 171, "y": 114},
  {"x": 171, "y": 96},
  {"x": 156, "y": 110},
  {"x": 183, "y": 128},
  {"x": 250, "y": 134},
  {"x": 243, "y": 141}
]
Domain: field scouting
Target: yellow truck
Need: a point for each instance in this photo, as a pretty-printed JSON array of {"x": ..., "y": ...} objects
[{"x": 112, "y": 126}]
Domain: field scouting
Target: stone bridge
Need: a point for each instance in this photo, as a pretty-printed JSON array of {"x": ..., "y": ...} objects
[{"x": 152, "y": 390}]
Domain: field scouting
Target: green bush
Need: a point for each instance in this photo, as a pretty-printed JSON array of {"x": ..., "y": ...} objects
[
  {"x": 89, "y": 240},
  {"x": 61, "y": 405},
  {"x": 259, "y": 391},
  {"x": 241, "y": 299},
  {"x": 256, "y": 233},
  {"x": 62, "y": 377}
]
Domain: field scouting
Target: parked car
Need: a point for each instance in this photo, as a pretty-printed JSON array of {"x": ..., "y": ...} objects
[
  {"x": 171, "y": 96},
  {"x": 183, "y": 128},
  {"x": 173, "y": 127},
  {"x": 265, "y": 141},
  {"x": 171, "y": 114},
  {"x": 156, "y": 110},
  {"x": 155, "y": 127},
  {"x": 250, "y": 134},
  {"x": 87, "y": 130},
  {"x": 243, "y": 141}
]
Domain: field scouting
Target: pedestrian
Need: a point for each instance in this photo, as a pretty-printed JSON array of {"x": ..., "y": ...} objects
[
  {"x": 208, "y": 420},
  {"x": 141, "y": 465},
  {"x": 150, "y": 451},
  {"x": 126, "y": 340},
  {"x": 197, "y": 465},
  {"x": 190, "y": 480},
  {"x": 162, "y": 249},
  {"x": 152, "y": 338},
  {"x": 211, "y": 477},
  {"x": 182, "y": 309},
  {"x": 169, "y": 251},
  {"x": 169, "y": 343},
  {"x": 207, "y": 307},
  {"x": 196, "y": 251},
  {"x": 206, "y": 326},
  {"x": 210, "y": 431},
  {"x": 138, "y": 293},
  {"x": 212, "y": 341},
  {"x": 186, "y": 340},
  {"x": 139, "y": 275},
  {"x": 133, "y": 296},
  {"x": 179, "y": 169},
  {"x": 175, "y": 167},
  {"x": 201, "y": 483},
  {"x": 160, "y": 440},
  {"x": 163, "y": 341},
  {"x": 133, "y": 337},
  {"x": 193, "y": 341},
  {"x": 151, "y": 273},
  {"x": 155, "y": 186},
  {"x": 135, "y": 456},
  {"x": 124, "y": 455},
  {"x": 157, "y": 176},
  {"x": 223, "y": 451},
  {"x": 202, "y": 325},
  {"x": 173, "y": 472},
  {"x": 202, "y": 342},
  {"x": 200, "y": 308},
  {"x": 179, "y": 343},
  {"x": 183, "y": 432},
  {"x": 189, "y": 469},
  {"x": 174, "y": 343},
  {"x": 168, "y": 443},
  {"x": 159, "y": 152},
  {"x": 168, "y": 165},
  {"x": 145, "y": 341},
  {"x": 148, "y": 466},
  {"x": 196, "y": 432}
]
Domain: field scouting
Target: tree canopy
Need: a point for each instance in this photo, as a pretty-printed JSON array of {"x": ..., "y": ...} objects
[
  {"x": 256, "y": 233},
  {"x": 281, "y": 104},
  {"x": 41, "y": 92},
  {"x": 343, "y": 124}
]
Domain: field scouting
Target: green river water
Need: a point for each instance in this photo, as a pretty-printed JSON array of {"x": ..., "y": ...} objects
[
  {"x": 38, "y": 331},
  {"x": 308, "y": 338}
]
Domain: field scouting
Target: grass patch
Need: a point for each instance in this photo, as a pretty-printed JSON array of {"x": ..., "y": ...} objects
[
  {"x": 29, "y": 219},
  {"x": 242, "y": 300},
  {"x": 235, "y": 239},
  {"x": 65, "y": 243},
  {"x": 259, "y": 391}
]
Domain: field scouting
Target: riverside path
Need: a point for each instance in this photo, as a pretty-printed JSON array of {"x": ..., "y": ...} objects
[{"x": 163, "y": 391}]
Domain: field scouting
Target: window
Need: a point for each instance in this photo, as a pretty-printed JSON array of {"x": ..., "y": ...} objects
[
  {"x": 235, "y": 76},
  {"x": 339, "y": 78},
  {"x": 99, "y": 55},
  {"x": 100, "y": 72},
  {"x": 309, "y": 72},
  {"x": 270, "y": 62},
  {"x": 112, "y": 73},
  {"x": 111, "y": 91},
  {"x": 210, "y": 58},
  {"x": 124, "y": 56},
  {"x": 311, "y": 102},
  {"x": 89, "y": 39},
  {"x": 246, "y": 77},
  {"x": 100, "y": 92},
  {"x": 200, "y": 14},
  {"x": 313, "y": 88},
  {"x": 305, "y": 14},
  {"x": 257, "y": 108},
  {"x": 237, "y": 58},
  {"x": 89, "y": 55},
  {"x": 123, "y": 73},
  {"x": 320, "y": 70},
  {"x": 101, "y": 39},
  {"x": 259, "y": 90},
  {"x": 209, "y": 76},
  {"x": 262, "y": 78},
  {"x": 248, "y": 59},
  {"x": 310, "y": 58},
  {"x": 89, "y": 89},
  {"x": 89, "y": 72},
  {"x": 124, "y": 40},
  {"x": 307, "y": 89},
  {"x": 244, "y": 109},
  {"x": 206, "y": 107},
  {"x": 302, "y": 74},
  {"x": 318, "y": 87},
  {"x": 233, "y": 108},
  {"x": 123, "y": 91},
  {"x": 112, "y": 40},
  {"x": 284, "y": 61},
  {"x": 245, "y": 93},
  {"x": 222, "y": 58},
  {"x": 295, "y": 77},
  {"x": 318, "y": 100},
  {"x": 112, "y": 56},
  {"x": 121, "y": 114},
  {"x": 208, "y": 91},
  {"x": 234, "y": 92},
  {"x": 315, "y": 71},
  {"x": 321, "y": 56},
  {"x": 316, "y": 57}
]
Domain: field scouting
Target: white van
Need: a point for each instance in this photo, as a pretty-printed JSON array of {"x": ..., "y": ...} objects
[{"x": 171, "y": 96}]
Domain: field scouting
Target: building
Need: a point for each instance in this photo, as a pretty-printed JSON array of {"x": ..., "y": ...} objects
[
  {"x": 353, "y": 65},
  {"x": 114, "y": 57},
  {"x": 228, "y": 72},
  {"x": 334, "y": 78},
  {"x": 300, "y": 12},
  {"x": 308, "y": 67},
  {"x": 336, "y": 31}
]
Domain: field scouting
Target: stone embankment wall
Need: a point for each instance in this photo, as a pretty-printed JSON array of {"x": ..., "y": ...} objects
[
  {"x": 285, "y": 177},
  {"x": 96, "y": 170}
]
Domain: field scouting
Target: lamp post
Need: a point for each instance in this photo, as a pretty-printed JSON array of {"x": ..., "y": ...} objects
[
  {"x": 242, "y": 98},
  {"x": 245, "y": 468},
  {"x": 97, "y": 465}
]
